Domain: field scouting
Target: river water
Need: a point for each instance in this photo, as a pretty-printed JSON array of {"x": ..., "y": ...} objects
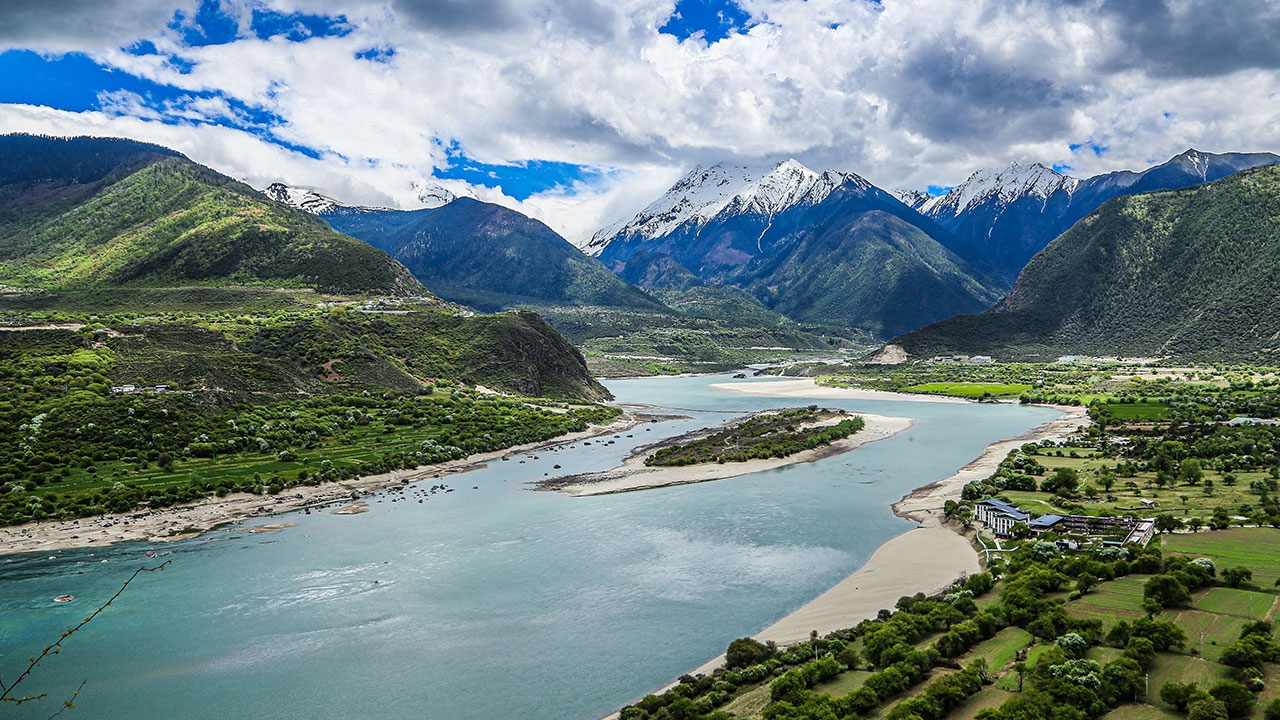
[{"x": 492, "y": 601}]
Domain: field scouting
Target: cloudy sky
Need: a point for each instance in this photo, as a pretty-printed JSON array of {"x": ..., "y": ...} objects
[{"x": 582, "y": 111}]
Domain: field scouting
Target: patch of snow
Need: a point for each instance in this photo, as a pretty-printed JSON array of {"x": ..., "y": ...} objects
[{"x": 301, "y": 198}]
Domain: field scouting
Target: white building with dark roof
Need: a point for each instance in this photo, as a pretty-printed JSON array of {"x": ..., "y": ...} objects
[{"x": 998, "y": 515}]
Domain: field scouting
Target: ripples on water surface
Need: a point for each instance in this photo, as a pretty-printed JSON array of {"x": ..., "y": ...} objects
[{"x": 487, "y": 603}]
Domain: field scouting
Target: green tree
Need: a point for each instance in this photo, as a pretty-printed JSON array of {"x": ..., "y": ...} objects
[
  {"x": 1237, "y": 575},
  {"x": 1235, "y": 697},
  {"x": 1207, "y": 708},
  {"x": 1178, "y": 694},
  {"x": 1190, "y": 472},
  {"x": 1167, "y": 523},
  {"x": 744, "y": 652}
]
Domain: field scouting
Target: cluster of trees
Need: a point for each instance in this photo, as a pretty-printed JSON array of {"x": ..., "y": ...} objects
[
  {"x": 774, "y": 434},
  {"x": 1062, "y": 684},
  {"x": 69, "y": 447}
]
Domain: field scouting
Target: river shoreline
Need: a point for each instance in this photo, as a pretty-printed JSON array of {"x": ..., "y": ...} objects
[
  {"x": 633, "y": 474},
  {"x": 928, "y": 558},
  {"x": 190, "y": 520}
]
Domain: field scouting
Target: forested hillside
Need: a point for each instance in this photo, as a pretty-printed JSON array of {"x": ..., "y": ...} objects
[{"x": 1192, "y": 273}]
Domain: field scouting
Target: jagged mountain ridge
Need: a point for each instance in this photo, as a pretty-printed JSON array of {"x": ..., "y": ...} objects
[
  {"x": 791, "y": 234},
  {"x": 1191, "y": 273},
  {"x": 476, "y": 253},
  {"x": 999, "y": 219}
]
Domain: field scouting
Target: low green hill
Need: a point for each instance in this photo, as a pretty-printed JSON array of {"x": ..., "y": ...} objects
[
  {"x": 1192, "y": 273},
  {"x": 158, "y": 220}
]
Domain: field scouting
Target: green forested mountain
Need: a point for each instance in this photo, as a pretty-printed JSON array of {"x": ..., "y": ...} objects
[
  {"x": 131, "y": 214},
  {"x": 489, "y": 257},
  {"x": 195, "y": 278},
  {"x": 1192, "y": 273}
]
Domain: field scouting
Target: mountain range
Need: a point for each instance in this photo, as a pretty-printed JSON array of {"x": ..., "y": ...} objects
[
  {"x": 96, "y": 213},
  {"x": 825, "y": 248},
  {"x": 998, "y": 220},
  {"x": 479, "y": 254},
  {"x": 1191, "y": 273}
]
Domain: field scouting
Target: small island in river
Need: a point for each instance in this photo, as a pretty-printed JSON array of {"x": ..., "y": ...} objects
[
  {"x": 763, "y": 441},
  {"x": 769, "y": 434}
]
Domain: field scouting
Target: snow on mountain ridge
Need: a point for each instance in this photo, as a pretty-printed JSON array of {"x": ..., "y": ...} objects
[
  {"x": 704, "y": 193},
  {"x": 429, "y": 194},
  {"x": 306, "y": 200},
  {"x": 1015, "y": 181},
  {"x": 911, "y": 198}
]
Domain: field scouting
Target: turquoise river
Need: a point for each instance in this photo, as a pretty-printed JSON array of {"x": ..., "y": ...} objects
[{"x": 493, "y": 601}]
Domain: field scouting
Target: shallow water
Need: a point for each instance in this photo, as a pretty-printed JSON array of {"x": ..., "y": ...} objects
[{"x": 488, "y": 602}]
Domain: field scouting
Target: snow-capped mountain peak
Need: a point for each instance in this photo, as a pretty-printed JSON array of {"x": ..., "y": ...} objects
[
  {"x": 1002, "y": 186},
  {"x": 911, "y": 198},
  {"x": 706, "y": 192},
  {"x": 307, "y": 200},
  {"x": 432, "y": 195}
]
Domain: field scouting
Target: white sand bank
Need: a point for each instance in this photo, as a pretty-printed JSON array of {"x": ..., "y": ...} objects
[
  {"x": 633, "y": 474},
  {"x": 809, "y": 388}
]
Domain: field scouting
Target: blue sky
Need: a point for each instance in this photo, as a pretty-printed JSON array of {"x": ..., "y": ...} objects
[
  {"x": 76, "y": 82},
  {"x": 580, "y": 113}
]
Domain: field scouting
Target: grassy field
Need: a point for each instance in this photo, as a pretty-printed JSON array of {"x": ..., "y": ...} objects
[
  {"x": 844, "y": 683},
  {"x": 1142, "y": 712},
  {"x": 1126, "y": 494},
  {"x": 1255, "y": 548},
  {"x": 1241, "y": 603},
  {"x": 1000, "y": 650},
  {"x": 1206, "y": 632},
  {"x": 969, "y": 389},
  {"x": 1117, "y": 600},
  {"x": 1183, "y": 669},
  {"x": 987, "y": 698},
  {"x": 751, "y": 703}
]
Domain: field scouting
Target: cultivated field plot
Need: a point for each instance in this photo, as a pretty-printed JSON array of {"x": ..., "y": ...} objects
[
  {"x": 1142, "y": 712},
  {"x": 1206, "y": 632},
  {"x": 1255, "y": 548},
  {"x": 988, "y": 698},
  {"x": 1242, "y": 603},
  {"x": 970, "y": 390},
  {"x": 1117, "y": 600},
  {"x": 1000, "y": 650},
  {"x": 1183, "y": 669},
  {"x": 842, "y": 684}
]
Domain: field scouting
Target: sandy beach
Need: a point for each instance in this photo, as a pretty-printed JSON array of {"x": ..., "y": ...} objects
[
  {"x": 185, "y": 521},
  {"x": 634, "y": 475},
  {"x": 809, "y": 388},
  {"x": 926, "y": 559}
]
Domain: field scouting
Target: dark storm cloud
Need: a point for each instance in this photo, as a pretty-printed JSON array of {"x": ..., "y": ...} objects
[
  {"x": 60, "y": 25},
  {"x": 1194, "y": 38},
  {"x": 591, "y": 20},
  {"x": 452, "y": 16},
  {"x": 954, "y": 89}
]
